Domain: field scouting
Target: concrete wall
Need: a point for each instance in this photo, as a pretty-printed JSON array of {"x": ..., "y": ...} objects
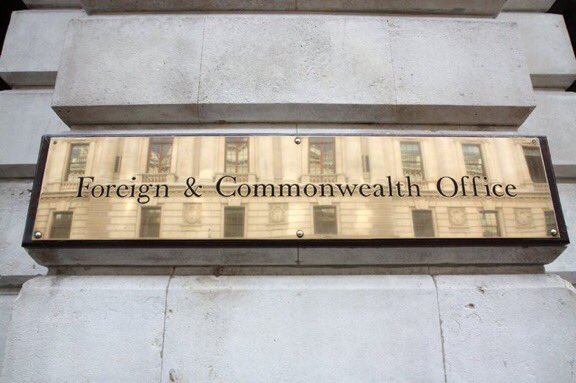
[
  {"x": 52, "y": 3},
  {"x": 555, "y": 117},
  {"x": 565, "y": 265},
  {"x": 548, "y": 49},
  {"x": 25, "y": 115},
  {"x": 7, "y": 298},
  {"x": 528, "y": 5},
  {"x": 261, "y": 329},
  {"x": 453, "y": 7},
  {"x": 16, "y": 266},
  {"x": 292, "y": 68},
  {"x": 33, "y": 46}
]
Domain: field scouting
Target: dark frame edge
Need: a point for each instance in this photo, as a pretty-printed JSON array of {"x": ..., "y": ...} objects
[
  {"x": 36, "y": 190},
  {"x": 30, "y": 245},
  {"x": 553, "y": 187}
]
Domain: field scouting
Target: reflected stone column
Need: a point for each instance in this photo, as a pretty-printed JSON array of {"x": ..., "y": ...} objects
[
  {"x": 291, "y": 159},
  {"x": 352, "y": 159},
  {"x": 264, "y": 159}
]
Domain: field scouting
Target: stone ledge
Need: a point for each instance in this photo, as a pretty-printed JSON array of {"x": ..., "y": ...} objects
[
  {"x": 33, "y": 46},
  {"x": 548, "y": 48},
  {"x": 25, "y": 115},
  {"x": 292, "y": 68},
  {"x": 528, "y": 5},
  {"x": 33, "y": 4},
  {"x": 555, "y": 117},
  {"x": 446, "y": 7}
]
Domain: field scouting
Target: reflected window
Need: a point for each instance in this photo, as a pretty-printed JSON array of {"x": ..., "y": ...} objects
[
  {"x": 412, "y": 160},
  {"x": 321, "y": 156},
  {"x": 159, "y": 156},
  {"x": 535, "y": 164},
  {"x": 150, "y": 222},
  {"x": 423, "y": 223},
  {"x": 236, "y": 161},
  {"x": 490, "y": 224},
  {"x": 77, "y": 161},
  {"x": 234, "y": 221},
  {"x": 325, "y": 220},
  {"x": 473, "y": 160},
  {"x": 61, "y": 225},
  {"x": 550, "y": 219}
]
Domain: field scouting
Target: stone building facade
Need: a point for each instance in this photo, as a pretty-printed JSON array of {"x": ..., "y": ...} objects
[{"x": 244, "y": 74}]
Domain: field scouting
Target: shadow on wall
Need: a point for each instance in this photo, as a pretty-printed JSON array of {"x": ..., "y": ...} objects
[
  {"x": 6, "y": 9},
  {"x": 567, "y": 8}
]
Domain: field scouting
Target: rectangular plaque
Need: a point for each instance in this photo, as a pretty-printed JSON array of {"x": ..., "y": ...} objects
[{"x": 250, "y": 191}]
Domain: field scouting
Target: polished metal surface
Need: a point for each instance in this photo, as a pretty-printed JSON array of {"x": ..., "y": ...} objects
[{"x": 287, "y": 188}]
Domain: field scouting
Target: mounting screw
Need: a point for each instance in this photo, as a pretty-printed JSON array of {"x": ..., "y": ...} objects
[
  {"x": 37, "y": 234},
  {"x": 534, "y": 141},
  {"x": 297, "y": 140},
  {"x": 300, "y": 233},
  {"x": 553, "y": 232}
]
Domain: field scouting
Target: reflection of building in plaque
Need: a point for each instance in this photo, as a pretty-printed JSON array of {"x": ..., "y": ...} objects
[
  {"x": 161, "y": 162},
  {"x": 192, "y": 213},
  {"x": 457, "y": 216}
]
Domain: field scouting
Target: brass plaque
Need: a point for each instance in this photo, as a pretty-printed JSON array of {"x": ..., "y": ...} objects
[{"x": 220, "y": 188}]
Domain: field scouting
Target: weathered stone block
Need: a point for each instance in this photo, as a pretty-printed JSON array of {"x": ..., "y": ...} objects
[
  {"x": 95, "y": 6},
  {"x": 455, "y": 7},
  {"x": 528, "y": 5},
  {"x": 450, "y": 7},
  {"x": 33, "y": 46},
  {"x": 508, "y": 328},
  {"x": 555, "y": 117},
  {"x": 256, "y": 329},
  {"x": 130, "y": 70},
  {"x": 459, "y": 72},
  {"x": 548, "y": 49},
  {"x": 565, "y": 264},
  {"x": 25, "y": 115},
  {"x": 292, "y": 68},
  {"x": 7, "y": 298},
  {"x": 99, "y": 329},
  {"x": 284, "y": 68},
  {"x": 16, "y": 266},
  {"x": 53, "y": 3}
]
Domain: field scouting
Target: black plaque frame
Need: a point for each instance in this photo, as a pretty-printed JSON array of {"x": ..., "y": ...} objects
[{"x": 33, "y": 246}]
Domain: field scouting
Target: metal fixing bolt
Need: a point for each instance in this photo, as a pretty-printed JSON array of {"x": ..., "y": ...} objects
[
  {"x": 300, "y": 233},
  {"x": 37, "y": 234},
  {"x": 553, "y": 232},
  {"x": 297, "y": 140}
]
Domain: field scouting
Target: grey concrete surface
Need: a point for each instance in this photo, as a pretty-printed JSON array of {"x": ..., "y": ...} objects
[
  {"x": 555, "y": 117},
  {"x": 130, "y": 69},
  {"x": 548, "y": 49},
  {"x": 289, "y": 327},
  {"x": 7, "y": 298},
  {"x": 452, "y": 7},
  {"x": 33, "y": 46},
  {"x": 32, "y": 4},
  {"x": 25, "y": 115},
  {"x": 468, "y": 328},
  {"x": 508, "y": 328},
  {"x": 296, "y": 68},
  {"x": 95, "y": 329},
  {"x": 16, "y": 266},
  {"x": 565, "y": 265},
  {"x": 528, "y": 5}
]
